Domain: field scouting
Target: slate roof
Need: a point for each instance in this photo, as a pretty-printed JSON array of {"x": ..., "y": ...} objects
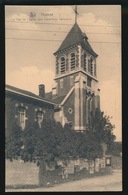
[
  {"x": 74, "y": 37},
  {"x": 58, "y": 100},
  {"x": 48, "y": 95},
  {"x": 24, "y": 92}
]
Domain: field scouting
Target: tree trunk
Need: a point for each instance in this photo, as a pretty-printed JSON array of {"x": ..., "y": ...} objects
[{"x": 42, "y": 173}]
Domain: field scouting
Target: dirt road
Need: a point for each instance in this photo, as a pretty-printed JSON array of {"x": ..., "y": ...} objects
[{"x": 101, "y": 183}]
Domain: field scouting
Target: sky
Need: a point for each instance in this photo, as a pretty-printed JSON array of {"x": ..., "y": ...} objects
[{"x": 34, "y": 33}]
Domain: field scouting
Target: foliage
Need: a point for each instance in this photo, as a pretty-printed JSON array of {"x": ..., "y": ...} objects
[
  {"x": 103, "y": 128},
  {"x": 14, "y": 142},
  {"x": 52, "y": 141}
]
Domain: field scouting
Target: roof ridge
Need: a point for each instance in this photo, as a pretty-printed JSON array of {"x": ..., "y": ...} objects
[
  {"x": 27, "y": 93},
  {"x": 10, "y": 86}
]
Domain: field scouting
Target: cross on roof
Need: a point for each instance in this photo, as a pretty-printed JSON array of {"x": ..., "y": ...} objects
[{"x": 76, "y": 13}]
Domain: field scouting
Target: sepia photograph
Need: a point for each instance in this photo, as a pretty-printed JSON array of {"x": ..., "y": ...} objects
[{"x": 63, "y": 113}]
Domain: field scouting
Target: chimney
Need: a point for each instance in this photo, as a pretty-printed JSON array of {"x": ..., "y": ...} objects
[{"x": 42, "y": 90}]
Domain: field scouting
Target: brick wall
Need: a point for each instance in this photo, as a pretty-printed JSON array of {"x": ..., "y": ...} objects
[{"x": 11, "y": 109}]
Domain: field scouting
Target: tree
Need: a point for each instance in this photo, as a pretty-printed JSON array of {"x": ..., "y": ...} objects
[
  {"x": 102, "y": 127},
  {"x": 14, "y": 142},
  {"x": 51, "y": 141}
]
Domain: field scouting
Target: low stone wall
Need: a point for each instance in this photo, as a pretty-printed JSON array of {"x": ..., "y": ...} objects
[
  {"x": 75, "y": 169},
  {"x": 19, "y": 173}
]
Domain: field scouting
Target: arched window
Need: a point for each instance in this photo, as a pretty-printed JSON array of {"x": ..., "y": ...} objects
[
  {"x": 72, "y": 61},
  {"x": 62, "y": 64},
  {"x": 89, "y": 66},
  {"x": 85, "y": 61}
]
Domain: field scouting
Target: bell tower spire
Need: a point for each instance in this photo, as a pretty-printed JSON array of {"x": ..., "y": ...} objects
[{"x": 76, "y": 89}]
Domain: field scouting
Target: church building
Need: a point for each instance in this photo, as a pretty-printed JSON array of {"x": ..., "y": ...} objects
[
  {"x": 76, "y": 85},
  {"x": 75, "y": 94}
]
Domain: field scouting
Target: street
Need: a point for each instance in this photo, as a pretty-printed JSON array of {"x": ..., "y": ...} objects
[{"x": 101, "y": 183}]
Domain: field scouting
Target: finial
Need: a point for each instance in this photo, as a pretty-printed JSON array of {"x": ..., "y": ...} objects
[{"x": 76, "y": 13}]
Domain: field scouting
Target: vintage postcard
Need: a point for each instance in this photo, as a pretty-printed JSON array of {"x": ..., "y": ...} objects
[{"x": 63, "y": 98}]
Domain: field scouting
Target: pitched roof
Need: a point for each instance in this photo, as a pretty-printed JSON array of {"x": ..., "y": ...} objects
[
  {"x": 48, "y": 95},
  {"x": 76, "y": 36},
  {"x": 27, "y": 93},
  {"x": 58, "y": 100},
  {"x": 20, "y": 90}
]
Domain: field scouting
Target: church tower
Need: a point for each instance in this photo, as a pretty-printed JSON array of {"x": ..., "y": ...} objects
[{"x": 76, "y": 89}]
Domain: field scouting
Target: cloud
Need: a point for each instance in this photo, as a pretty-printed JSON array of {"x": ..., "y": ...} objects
[
  {"x": 28, "y": 78},
  {"x": 90, "y": 23},
  {"x": 91, "y": 19}
]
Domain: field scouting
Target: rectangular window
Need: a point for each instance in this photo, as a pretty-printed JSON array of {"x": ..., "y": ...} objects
[
  {"x": 39, "y": 118},
  {"x": 22, "y": 117}
]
